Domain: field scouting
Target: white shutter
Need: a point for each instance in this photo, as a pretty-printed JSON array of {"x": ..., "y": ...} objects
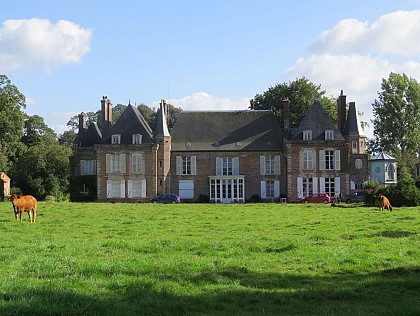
[
  {"x": 219, "y": 163},
  {"x": 352, "y": 185},
  {"x": 337, "y": 165},
  {"x": 277, "y": 165},
  {"x": 236, "y": 166},
  {"x": 82, "y": 167},
  {"x": 262, "y": 165},
  {"x": 300, "y": 187},
  {"x": 337, "y": 185},
  {"x": 143, "y": 188},
  {"x": 122, "y": 189},
  {"x": 108, "y": 188},
  {"x": 122, "y": 163},
  {"x": 315, "y": 184},
  {"x": 178, "y": 165},
  {"x": 321, "y": 160},
  {"x": 321, "y": 184},
  {"x": 193, "y": 165},
  {"x": 263, "y": 188},
  {"x": 276, "y": 189},
  {"x": 108, "y": 163},
  {"x": 130, "y": 188}
]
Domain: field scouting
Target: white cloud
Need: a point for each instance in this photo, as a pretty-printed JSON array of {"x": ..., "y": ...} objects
[
  {"x": 395, "y": 33},
  {"x": 39, "y": 43},
  {"x": 202, "y": 101}
]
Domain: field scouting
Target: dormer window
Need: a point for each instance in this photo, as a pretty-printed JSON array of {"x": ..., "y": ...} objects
[
  {"x": 137, "y": 139},
  {"x": 329, "y": 135},
  {"x": 307, "y": 135},
  {"x": 116, "y": 139}
]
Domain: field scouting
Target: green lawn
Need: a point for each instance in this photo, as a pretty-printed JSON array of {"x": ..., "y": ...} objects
[{"x": 204, "y": 259}]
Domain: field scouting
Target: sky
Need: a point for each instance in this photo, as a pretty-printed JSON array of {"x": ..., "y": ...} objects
[{"x": 64, "y": 56}]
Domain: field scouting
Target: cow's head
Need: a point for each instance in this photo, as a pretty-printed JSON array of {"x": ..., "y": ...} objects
[{"x": 14, "y": 197}]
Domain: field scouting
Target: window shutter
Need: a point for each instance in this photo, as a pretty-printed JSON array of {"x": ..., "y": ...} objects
[
  {"x": 108, "y": 188},
  {"x": 321, "y": 160},
  {"x": 337, "y": 185},
  {"x": 130, "y": 188},
  {"x": 82, "y": 167},
  {"x": 263, "y": 188},
  {"x": 322, "y": 184},
  {"x": 352, "y": 185},
  {"x": 193, "y": 165},
  {"x": 94, "y": 166},
  {"x": 337, "y": 165},
  {"x": 276, "y": 188},
  {"x": 122, "y": 189},
  {"x": 300, "y": 187},
  {"x": 108, "y": 163},
  {"x": 315, "y": 184},
  {"x": 262, "y": 165},
  {"x": 178, "y": 165},
  {"x": 277, "y": 165},
  {"x": 143, "y": 188},
  {"x": 236, "y": 166},
  {"x": 218, "y": 166},
  {"x": 122, "y": 163}
]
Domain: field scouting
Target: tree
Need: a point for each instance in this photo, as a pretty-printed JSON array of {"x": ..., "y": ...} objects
[
  {"x": 148, "y": 113},
  {"x": 11, "y": 117},
  {"x": 301, "y": 94},
  {"x": 36, "y": 131},
  {"x": 396, "y": 114}
]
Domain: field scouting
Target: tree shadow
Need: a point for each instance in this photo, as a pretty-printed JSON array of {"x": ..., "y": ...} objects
[{"x": 389, "y": 292}]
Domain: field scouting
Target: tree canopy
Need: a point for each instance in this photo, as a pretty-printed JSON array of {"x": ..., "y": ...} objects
[
  {"x": 301, "y": 94},
  {"x": 396, "y": 114}
]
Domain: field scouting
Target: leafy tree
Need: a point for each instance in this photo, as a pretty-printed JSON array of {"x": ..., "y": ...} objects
[
  {"x": 67, "y": 138},
  {"x": 73, "y": 123},
  {"x": 11, "y": 117},
  {"x": 397, "y": 116},
  {"x": 301, "y": 94},
  {"x": 36, "y": 131},
  {"x": 172, "y": 113},
  {"x": 148, "y": 113}
]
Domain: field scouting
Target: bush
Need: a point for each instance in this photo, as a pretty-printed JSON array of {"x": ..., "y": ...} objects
[
  {"x": 203, "y": 199},
  {"x": 405, "y": 193},
  {"x": 15, "y": 190},
  {"x": 255, "y": 198}
]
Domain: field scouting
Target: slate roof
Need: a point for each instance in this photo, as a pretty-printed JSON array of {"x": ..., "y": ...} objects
[
  {"x": 131, "y": 122},
  {"x": 92, "y": 136},
  {"x": 226, "y": 130},
  {"x": 352, "y": 124},
  {"x": 318, "y": 121},
  {"x": 161, "y": 125}
]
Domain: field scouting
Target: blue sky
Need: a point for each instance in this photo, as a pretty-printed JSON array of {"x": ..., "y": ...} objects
[{"x": 201, "y": 55}]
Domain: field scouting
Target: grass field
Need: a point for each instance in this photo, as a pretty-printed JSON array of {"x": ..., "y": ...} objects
[{"x": 203, "y": 259}]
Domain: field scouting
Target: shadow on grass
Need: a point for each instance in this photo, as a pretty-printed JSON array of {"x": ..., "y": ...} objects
[{"x": 390, "y": 292}]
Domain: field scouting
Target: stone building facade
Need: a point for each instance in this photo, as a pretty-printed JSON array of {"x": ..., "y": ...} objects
[{"x": 225, "y": 156}]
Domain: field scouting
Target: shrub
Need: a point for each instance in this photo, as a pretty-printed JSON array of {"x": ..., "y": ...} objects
[
  {"x": 255, "y": 198},
  {"x": 203, "y": 199}
]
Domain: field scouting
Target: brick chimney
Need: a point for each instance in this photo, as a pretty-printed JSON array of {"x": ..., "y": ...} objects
[
  {"x": 82, "y": 122},
  {"x": 286, "y": 112},
  {"x": 106, "y": 111},
  {"x": 341, "y": 112}
]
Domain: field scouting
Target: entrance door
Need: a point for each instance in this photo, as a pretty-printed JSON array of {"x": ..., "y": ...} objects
[{"x": 226, "y": 190}]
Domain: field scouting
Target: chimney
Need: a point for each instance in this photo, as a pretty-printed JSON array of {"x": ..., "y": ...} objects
[
  {"x": 341, "y": 112},
  {"x": 106, "y": 109},
  {"x": 286, "y": 112},
  {"x": 82, "y": 122},
  {"x": 164, "y": 106}
]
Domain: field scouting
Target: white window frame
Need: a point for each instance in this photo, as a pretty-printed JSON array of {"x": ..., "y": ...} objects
[
  {"x": 307, "y": 135},
  {"x": 115, "y": 163},
  {"x": 116, "y": 139},
  {"x": 329, "y": 134},
  {"x": 137, "y": 163},
  {"x": 308, "y": 159},
  {"x": 87, "y": 167},
  {"x": 136, "y": 139},
  {"x": 186, "y": 165}
]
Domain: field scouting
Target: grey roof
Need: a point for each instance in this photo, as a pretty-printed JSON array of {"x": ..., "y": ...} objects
[
  {"x": 131, "y": 122},
  {"x": 92, "y": 135},
  {"x": 382, "y": 156},
  {"x": 161, "y": 125},
  {"x": 318, "y": 121},
  {"x": 352, "y": 124},
  {"x": 226, "y": 130}
]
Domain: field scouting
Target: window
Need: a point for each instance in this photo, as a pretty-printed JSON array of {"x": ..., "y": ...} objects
[
  {"x": 116, "y": 139},
  {"x": 354, "y": 147},
  {"x": 137, "y": 139},
  {"x": 115, "y": 163},
  {"x": 308, "y": 187},
  {"x": 136, "y": 188},
  {"x": 307, "y": 135},
  {"x": 329, "y": 160},
  {"x": 329, "y": 135},
  {"x": 358, "y": 163},
  {"x": 308, "y": 160},
  {"x": 136, "y": 163},
  {"x": 330, "y": 186},
  {"x": 391, "y": 171},
  {"x": 87, "y": 167},
  {"x": 269, "y": 165},
  {"x": 269, "y": 189},
  {"x": 227, "y": 166},
  {"x": 186, "y": 165},
  {"x": 227, "y": 190}
]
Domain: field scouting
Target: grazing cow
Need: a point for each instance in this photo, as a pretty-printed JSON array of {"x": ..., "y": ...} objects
[
  {"x": 384, "y": 203},
  {"x": 26, "y": 203}
]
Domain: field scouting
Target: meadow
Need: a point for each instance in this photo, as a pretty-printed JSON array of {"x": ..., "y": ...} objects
[{"x": 207, "y": 259}]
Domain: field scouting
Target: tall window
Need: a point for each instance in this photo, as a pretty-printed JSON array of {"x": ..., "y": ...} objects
[
  {"x": 227, "y": 166},
  {"x": 330, "y": 186},
  {"x": 308, "y": 160},
  {"x": 391, "y": 171},
  {"x": 136, "y": 163},
  {"x": 186, "y": 165},
  {"x": 87, "y": 167},
  {"x": 329, "y": 160},
  {"x": 269, "y": 165},
  {"x": 115, "y": 163},
  {"x": 354, "y": 148},
  {"x": 308, "y": 186}
]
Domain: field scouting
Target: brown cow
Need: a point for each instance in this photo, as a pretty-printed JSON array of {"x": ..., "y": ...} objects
[
  {"x": 25, "y": 203},
  {"x": 384, "y": 203}
]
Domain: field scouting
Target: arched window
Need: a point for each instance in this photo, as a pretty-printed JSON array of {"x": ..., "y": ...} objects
[{"x": 391, "y": 171}]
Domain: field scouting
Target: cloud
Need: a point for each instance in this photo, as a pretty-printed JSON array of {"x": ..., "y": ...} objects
[
  {"x": 355, "y": 57},
  {"x": 202, "y": 101},
  {"x": 395, "y": 33},
  {"x": 39, "y": 43}
]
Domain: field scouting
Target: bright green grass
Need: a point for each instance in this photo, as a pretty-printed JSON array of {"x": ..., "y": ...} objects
[{"x": 203, "y": 259}]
